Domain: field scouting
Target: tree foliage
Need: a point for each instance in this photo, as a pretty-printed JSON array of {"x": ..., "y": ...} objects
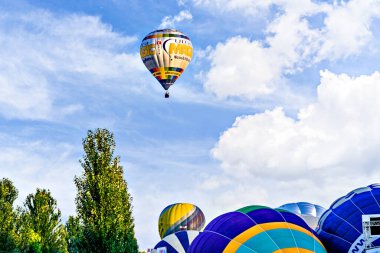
[
  {"x": 103, "y": 203},
  {"x": 40, "y": 229},
  {"x": 8, "y": 237},
  {"x": 74, "y": 234}
]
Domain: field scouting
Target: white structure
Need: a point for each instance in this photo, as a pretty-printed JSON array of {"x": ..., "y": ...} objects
[
  {"x": 158, "y": 250},
  {"x": 373, "y": 250},
  {"x": 371, "y": 232}
]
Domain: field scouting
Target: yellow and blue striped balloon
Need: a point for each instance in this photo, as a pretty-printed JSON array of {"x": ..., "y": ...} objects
[{"x": 180, "y": 216}]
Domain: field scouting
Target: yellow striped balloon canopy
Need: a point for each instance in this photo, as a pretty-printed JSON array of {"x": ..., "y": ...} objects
[
  {"x": 180, "y": 216},
  {"x": 166, "y": 53}
]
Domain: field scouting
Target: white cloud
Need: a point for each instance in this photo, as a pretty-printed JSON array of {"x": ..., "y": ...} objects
[
  {"x": 172, "y": 21},
  {"x": 43, "y": 53},
  {"x": 249, "y": 7},
  {"x": 250, "y": 69},
  {"x": 32, "y": 164},
  {"x": 233, "y": 69},
  {"x": 331, "y": 147},
  {"x": 181, "y": 2},
  {"x": 348, "y": 29}
]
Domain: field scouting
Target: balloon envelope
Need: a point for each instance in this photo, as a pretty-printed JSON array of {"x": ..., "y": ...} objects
[
  {"x": 166, "y": 54},
  {"x": 180, "y": 216},
  {"x": 177, "y": 242},
  {"x": 307, "y": 211},
  {"x": 340, "y": 227},
  {"x": 257, "y": 229}
]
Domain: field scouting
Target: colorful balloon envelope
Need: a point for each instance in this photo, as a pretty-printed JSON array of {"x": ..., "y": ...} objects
[
  {"x": 178, "y": 242},
  {"x": 180, "y": 216},
  {"x": 257, "y": 229},
  {"x": 310, "y": 213},
  {"x": 340, "y": 227},
  {"x": 166, "y": 54}
]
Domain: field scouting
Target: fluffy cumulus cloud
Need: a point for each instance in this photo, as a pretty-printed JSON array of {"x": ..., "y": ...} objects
[
  {"x": 302, "y": 33},
  {"x": 172, "y": 21},
  {"x": 43, "y": 53},
  {"x": 348, "y": 29},
  {"x": 332, "y": 145},
  {"x": 232, "y": 67}
]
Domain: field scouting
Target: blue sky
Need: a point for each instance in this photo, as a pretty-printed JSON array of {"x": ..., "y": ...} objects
[{"x": 279, "y": 104}]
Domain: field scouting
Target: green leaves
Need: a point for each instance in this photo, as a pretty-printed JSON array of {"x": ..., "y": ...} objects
[
  {"x": 40, "y": 224},
  {"x": 34, "y": 228},
  {"x": 75, "y": 235},
  {"x": 103, "y": 203},
  {"x": 104, "y": 221},
  {"x": 8, "y": 237}
]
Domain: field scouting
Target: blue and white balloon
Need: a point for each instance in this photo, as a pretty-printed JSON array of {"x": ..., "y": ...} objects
[
  {"x": 340, "y": 227},
  {"x": 178, "y": 242}
]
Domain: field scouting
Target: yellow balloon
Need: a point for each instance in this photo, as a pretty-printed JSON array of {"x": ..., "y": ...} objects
[
  {"x": 166, "y": 54},
  {"x": 180, "y": 216}
]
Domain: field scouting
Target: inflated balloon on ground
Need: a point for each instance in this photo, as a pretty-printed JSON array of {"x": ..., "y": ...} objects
[
  {"x": 340, "y": 227},
  {"x": 257, "y": 229},
  {"x": 180, "y": 216},
  {"x": 307, "y": 211}
]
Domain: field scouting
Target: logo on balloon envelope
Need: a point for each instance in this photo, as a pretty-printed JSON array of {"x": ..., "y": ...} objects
[
  {"x": 174, "y": 49},
  {"x": 358, "y": 245}
]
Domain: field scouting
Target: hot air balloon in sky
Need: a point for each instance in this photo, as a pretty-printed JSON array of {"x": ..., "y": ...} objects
[
  {"x": 340, "y": 227},
  {"x": 166, "y": 54},
  {"x": 180, "y": 216},
  {"x": 307, "y": 211},
  {"x": 177, "y": 242},
  {"x": 257, "y": 229}
]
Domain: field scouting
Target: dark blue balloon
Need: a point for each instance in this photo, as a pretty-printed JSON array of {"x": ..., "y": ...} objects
[
  {"x": 340, "y": 227},
  {"x": 257, "y": 229}
]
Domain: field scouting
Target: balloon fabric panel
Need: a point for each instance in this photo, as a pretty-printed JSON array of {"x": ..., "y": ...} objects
[
  {"x": 230, "y": 224},
  {"x": 310, "y": 213},
  {"x": 178, "y": 242}
]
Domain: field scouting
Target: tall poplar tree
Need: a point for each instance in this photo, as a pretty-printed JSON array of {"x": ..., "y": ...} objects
[
  {"x": 8, "y": 194},
  {"x": 103, "y": 203}
]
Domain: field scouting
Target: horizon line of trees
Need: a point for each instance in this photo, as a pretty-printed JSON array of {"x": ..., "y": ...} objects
[{"x": 103, "y": 220}]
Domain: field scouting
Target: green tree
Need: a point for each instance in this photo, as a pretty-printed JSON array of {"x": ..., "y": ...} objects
[
  {"x": 40, "y": 229},
  {"x": 75, "y": 234},
  {"x": 8, "y": 194},
  {"x": 103, "y": 202}
]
